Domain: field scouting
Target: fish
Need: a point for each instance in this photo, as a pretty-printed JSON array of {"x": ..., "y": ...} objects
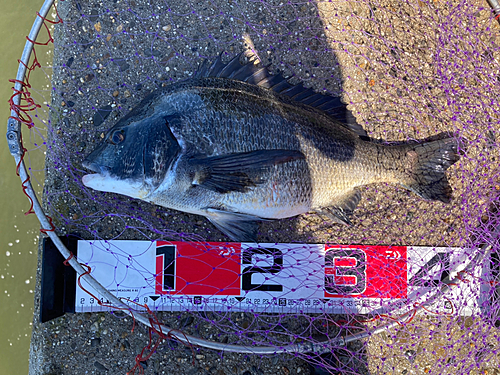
[{"x": 239, "y": 145}]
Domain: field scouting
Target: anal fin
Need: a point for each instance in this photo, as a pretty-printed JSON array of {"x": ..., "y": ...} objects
[{"x": 341, "y": 212}]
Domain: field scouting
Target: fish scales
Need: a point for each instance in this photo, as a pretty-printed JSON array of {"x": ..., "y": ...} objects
[
  {"x": 237, "y": 153},
  {"x": 281, "y": 126}
]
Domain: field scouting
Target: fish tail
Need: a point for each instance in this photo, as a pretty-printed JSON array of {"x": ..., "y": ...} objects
[{"x": 425, "y": 167}]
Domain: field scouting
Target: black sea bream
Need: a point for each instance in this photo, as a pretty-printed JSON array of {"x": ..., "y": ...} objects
[{"x": 238, "y": 145}]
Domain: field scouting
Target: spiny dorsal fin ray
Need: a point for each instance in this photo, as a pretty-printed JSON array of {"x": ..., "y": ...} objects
[
  {"x": 202, "y": 70},
  {"x": 230, "y": 68},
  {"x": 259, "y": 75},
  {"x": 216, "y": 67},
  {"x": 293, "y": 91},
  {"x": 281, "y": 85},
  {"x": 315, "y": 100}
]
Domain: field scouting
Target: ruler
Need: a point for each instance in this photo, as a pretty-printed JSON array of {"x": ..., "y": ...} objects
[{"x": 278, "y": 278}]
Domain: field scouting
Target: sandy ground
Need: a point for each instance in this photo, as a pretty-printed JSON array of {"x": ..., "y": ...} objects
[{"x": 402, "y": 80}]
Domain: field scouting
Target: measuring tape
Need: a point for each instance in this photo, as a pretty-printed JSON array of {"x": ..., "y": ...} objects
[
  {"x": 278, "y": 278},
  {"x": 273, "y": 277}
]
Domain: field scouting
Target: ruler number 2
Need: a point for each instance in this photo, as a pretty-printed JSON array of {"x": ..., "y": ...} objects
[{"x": 276, "y": 267}]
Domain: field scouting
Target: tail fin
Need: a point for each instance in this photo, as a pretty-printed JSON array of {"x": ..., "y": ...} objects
[{"x": 426, "y": 164}]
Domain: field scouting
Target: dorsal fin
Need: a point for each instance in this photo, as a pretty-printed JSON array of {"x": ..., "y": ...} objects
[{"x": 259, "y": 75}]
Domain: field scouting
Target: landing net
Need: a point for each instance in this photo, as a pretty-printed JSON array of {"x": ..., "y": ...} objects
[{"x": 407, "y": 70}]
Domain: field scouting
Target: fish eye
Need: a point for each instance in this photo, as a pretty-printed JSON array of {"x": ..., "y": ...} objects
[{"x": 116, "y": 137}]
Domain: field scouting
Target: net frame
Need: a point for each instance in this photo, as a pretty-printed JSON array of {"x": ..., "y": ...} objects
[{"x": 18, "y": 152}]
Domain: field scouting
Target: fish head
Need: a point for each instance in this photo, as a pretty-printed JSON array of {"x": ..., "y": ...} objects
[{"x": 133, "y": 158}]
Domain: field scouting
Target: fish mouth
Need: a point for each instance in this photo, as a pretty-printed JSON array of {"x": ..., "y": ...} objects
[
  {"x": 94, "y": 167},
  {"x": 94, "y": 180}
]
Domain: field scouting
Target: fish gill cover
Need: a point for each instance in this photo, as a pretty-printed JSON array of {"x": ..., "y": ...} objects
[{"x": 407, "y": 70}]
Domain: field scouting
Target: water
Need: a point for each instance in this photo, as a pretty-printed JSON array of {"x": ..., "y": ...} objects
[{"x": 18, "y": 233}]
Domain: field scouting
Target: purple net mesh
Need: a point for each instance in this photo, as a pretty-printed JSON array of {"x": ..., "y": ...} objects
[{"x": 406, "y": 69}]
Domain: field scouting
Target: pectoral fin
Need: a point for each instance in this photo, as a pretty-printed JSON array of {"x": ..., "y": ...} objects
[
  {"x": 237, "y": 226},
  {"x": 238, "y": 172},
  {"x": 341, "y": 213}
]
